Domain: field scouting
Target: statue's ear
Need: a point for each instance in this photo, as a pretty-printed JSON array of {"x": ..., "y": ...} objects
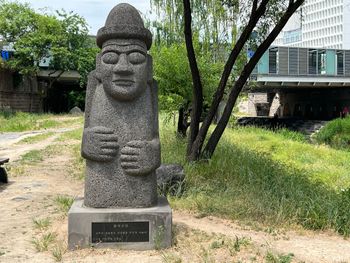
[
  {"x": 149, "y": 69},
  {"x": 98, "y": 68}
]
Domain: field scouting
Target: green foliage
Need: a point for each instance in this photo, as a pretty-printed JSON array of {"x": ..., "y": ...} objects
[
  {"x": 336, "y": 134},
  {"x": 76, "y": 98},
  {"x": 262, "y": 177},
  {"x": 171, "y": 70},
  {"x": 62, "y": 37},
  {"x": 214, "y": 23}
]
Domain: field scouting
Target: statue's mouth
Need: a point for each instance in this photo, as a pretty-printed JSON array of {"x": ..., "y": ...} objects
[{"x": 124, "y": 82}]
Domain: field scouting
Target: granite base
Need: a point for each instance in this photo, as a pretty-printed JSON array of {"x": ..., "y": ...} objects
[{"x": 124, "y": 228}]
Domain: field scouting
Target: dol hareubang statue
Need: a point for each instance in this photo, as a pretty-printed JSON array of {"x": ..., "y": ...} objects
[{"x": 120, "y": 140}]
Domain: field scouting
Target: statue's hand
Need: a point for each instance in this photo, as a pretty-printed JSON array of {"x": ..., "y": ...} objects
[
  {"x": 140, "y": 157},
  {"x": 99, "y": 144}
]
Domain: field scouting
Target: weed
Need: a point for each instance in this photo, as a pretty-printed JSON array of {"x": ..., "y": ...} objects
[
  {"x": 243, "y": 241},
  {"x": 170, "y": 258},
  {"x": 15, "y": 169},
  {"x": 271, "y": 258},
  {"x": 32, "y": 157},
  {"x": 78, "y": 164},
  {"x": 57, "y": 252},
  {"x": 42, "y": 243},
  {"x": 206, "y": 257},
  {"x": 36, "y": 138},
  {"x": 41, "y": 224},
  {"x": 64, "y": 203},
  {"x": 217, "y": 244},
  {"x": 3, "y": 253},
  {"x": 75, "y": 134},
  {"x": 159, "y": 237}
]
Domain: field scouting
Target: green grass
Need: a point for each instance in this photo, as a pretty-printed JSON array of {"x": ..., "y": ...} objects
[
  {"x": 271, "y": 258},
  {"x": 262, "y": 177},
  {"x": 32, "y": 156},
  {"x": 336, "y": 133},
  {"x": 36, "y": 138},
  {"x": 58, "y": 252},
  {"x": 75, "y": 134},
  {"x": 64, "y": 203},
  {"x": 41, "y": 224},
  {"x": 21, "y": 121},
  {"x": 43, "y": 242}
]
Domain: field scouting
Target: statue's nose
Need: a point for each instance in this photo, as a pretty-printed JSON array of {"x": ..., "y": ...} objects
[{"x": 123, "y": 66}]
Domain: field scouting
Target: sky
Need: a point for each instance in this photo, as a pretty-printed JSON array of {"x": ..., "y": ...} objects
[{"x": 95, "y": 12}]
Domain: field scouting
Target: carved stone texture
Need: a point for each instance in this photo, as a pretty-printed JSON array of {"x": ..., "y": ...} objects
[{"x": 121, "y": 135}]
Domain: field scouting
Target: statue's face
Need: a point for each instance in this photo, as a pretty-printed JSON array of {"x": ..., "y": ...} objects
[{"x": 123, "y": 69}]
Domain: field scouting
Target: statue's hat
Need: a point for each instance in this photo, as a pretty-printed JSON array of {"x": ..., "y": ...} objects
[{"x": 124, "y": 21}]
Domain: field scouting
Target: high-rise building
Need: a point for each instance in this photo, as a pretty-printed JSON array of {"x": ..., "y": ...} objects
[{"x": 319, "y": 24}]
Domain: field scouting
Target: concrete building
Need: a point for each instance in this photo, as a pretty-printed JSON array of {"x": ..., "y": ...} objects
[
  {"x": 306, "y": 83},
  {"x": 319, "y": 24}
]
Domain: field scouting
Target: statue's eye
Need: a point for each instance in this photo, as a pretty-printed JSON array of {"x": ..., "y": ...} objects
[
  {"x": 136, "y": 58},
  {"x": 110, "y": 58}
]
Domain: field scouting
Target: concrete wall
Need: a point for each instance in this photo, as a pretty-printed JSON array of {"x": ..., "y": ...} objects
[
  {"x": 314, "y": 103},
  {"x": 19, "y": 94}
]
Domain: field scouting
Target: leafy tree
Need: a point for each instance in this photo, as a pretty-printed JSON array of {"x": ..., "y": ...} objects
[
  {"x": 264, "y": 18},
  {"x": 211, "y": 37},
  {"x": 174, "y": 80},
  {"x": 63, "y": 37}
]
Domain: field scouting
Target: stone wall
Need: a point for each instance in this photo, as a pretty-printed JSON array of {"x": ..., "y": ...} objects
[
  {"x": 19, "y": 93},
  {"x": 259, "y": 103}
]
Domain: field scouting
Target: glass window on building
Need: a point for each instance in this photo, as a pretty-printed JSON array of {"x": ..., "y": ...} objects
[
  {"x": 312, "y": 61},
  {"x": 273, "y": 60},
  {"x": 322, "y": 61},
  {"x": 340, "y": 62}
]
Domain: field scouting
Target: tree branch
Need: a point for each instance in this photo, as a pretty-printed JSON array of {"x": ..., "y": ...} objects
[
  {"x": 254, "y": 18},
  {"x": 216, "y": 135}
]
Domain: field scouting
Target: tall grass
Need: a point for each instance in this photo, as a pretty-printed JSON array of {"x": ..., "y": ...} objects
[
  {"x": 21, "y": 121},
  {"x": 336, "y": 134},
  {"x": 259, "y": 176}
]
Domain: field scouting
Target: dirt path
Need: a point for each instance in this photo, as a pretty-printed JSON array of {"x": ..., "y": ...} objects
[
  {"x": 10, "y": 149},
  {"x": 32, "y": 197},
  {"x": 309, "y": 247}
]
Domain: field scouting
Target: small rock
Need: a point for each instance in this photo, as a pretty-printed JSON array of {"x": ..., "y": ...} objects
[
  {"x": 76, "y": 111},
  {"x": 20, "y": 198},
  {"x": 170, "y": 179}
]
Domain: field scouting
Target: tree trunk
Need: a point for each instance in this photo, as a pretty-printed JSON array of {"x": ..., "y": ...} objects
[
  {"x": 30, "y": 94},
  {"x": 182, "y": 123},
  {"x": 256, "y": 14},
  {"x": 216, "y": 135},
  {"x": 197, "y": 100}
]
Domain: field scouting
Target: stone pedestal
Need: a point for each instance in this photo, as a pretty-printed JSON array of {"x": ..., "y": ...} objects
[{"x": 124, "y": 228}]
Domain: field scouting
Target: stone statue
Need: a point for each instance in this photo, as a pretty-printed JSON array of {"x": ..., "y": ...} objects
[{"x": 121, "y": 135}]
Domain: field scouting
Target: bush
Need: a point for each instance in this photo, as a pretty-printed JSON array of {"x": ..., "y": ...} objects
[{"x": 336, "y": 134}]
